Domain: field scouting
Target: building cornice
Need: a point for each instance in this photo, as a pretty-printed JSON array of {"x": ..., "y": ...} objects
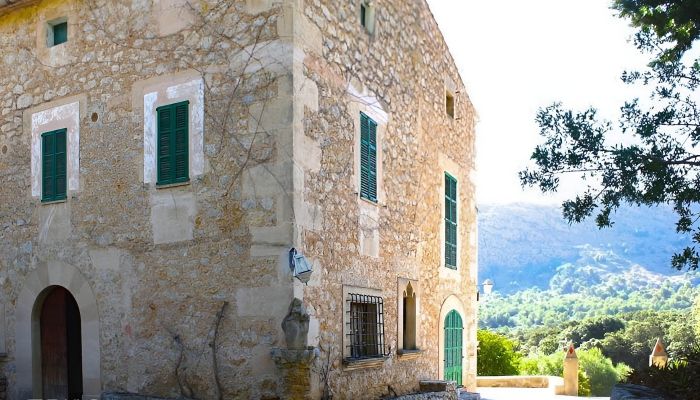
[{"x": 8, "y": 5}]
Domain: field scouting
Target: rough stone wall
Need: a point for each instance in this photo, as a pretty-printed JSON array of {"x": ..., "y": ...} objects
[
  {"x": 399, "y": 73},
  {"x": 278, "y": 170},
  {"x": 155, "y": 301}
]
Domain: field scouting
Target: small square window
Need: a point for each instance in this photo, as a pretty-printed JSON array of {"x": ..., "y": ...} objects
[
  {"x": 450, "y": 104},
  {"x": 57, "y": 32}
]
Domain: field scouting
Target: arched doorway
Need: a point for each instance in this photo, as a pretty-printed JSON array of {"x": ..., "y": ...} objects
[
  {"x": 60, "y": 345},
  {"x": 453, "y": 347}
]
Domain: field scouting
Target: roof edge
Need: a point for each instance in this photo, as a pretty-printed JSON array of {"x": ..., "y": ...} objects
[{"x": 7, "y": 6}]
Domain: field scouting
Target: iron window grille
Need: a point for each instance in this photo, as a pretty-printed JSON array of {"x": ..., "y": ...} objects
[{"x": 365, "y": 327}]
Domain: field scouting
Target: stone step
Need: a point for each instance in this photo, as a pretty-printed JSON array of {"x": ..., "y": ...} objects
[{"x": 469, "y": 396}]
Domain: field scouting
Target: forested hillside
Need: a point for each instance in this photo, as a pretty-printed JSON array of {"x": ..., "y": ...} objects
[
  {"x": 522, "y": 246},
  {"x": 612, "y": 293}
]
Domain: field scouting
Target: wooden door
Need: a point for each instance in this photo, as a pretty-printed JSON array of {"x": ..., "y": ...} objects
[
  {"x": 453, "y": 347},
  {"x": 61, "y": 355}
]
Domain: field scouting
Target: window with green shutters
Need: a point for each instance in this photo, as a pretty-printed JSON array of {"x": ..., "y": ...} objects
[
  {"x": 173, "y": 143},
  {"x": 368, "y": 158},
  {"x": 53, "y": 165},
  {"x": 450, "y": 222}
]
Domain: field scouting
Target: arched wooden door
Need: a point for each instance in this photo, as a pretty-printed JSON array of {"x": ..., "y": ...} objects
[
  {"x": 61, "y": 354},
  {"x": 453, "y": 347}
]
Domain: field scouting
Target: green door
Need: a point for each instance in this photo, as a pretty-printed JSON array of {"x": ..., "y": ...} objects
[{"x": 453, "y": 347}]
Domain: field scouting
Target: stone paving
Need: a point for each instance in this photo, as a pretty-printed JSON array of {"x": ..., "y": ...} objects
[{"x": 525, "y": 394}]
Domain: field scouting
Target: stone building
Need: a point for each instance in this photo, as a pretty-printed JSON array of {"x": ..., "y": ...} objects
[{"x": 161, "y": 159}]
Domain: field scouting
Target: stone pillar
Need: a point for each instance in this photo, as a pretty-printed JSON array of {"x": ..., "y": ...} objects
[
  {"x": 295, "y": 366},
  {"x": 570, "y": 372},
  {"x": 295, "y": 361},
  {"x": 658, "y": 356}
]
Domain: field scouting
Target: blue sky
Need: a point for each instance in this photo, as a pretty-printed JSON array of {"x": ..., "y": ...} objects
[{"x": 517, "y": 56}]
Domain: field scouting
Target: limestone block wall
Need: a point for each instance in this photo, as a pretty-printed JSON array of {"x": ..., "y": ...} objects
[
  {"x": 399, "y": 75},
  {"x": 157, "y": 263},
  {"x": 275, "y": 91}
]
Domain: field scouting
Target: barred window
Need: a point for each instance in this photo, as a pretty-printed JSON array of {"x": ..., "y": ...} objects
[{"x": 365, "y": 326}]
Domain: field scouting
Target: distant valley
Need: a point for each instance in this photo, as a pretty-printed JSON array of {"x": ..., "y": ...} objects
[
  {"x": 523, "y": 246},
  {"x": 546, "y": 272}
]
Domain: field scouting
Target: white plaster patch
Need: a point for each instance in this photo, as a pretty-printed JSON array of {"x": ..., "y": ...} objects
[
  {"x": 373, "y": 108},
  {"x": 192, "y": 91},
  {"x": 62, "y": 117},
  {"x": 172, "y": 216}
]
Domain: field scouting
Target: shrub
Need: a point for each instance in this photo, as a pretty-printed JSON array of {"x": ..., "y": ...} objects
[
  {"x": 679, "y": 380},
  {"x": 496, "y": 355},
  {"x": 596, "y": 377},
  {"x": 601, "y": 372}
]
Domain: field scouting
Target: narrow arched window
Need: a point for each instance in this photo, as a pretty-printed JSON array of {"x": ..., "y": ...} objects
[{"x": 409, "y": 318}]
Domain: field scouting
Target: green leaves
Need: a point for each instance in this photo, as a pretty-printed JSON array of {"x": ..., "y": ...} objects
[
  {"x": 496, "y": 355},
  {"x": 668, "y": 26},
  {"x": 651, "y": 155}
]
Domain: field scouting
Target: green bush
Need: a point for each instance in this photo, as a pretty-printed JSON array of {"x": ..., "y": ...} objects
[
  {"x": 584, "y": 384},
  {"x": 679, "y": 380},
  {"x": 496, "y": 355},
  {"x": 597, "y": 374},
  {"x": 601, "y": 372}
]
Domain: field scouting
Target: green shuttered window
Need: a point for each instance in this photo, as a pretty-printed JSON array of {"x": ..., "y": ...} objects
[
  {"x": 450, "y": 222},
  {"x": 53, "y": 165},
  {"x": 368, "y": 158},
  {"x": 173, "y": 143}
]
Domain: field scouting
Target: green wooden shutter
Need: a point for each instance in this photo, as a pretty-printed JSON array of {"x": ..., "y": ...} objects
[
  {"x": 368, "y": 158},
  {"x": 53, "y": 165},
  {"x": 450, "y": 222},
  {"x": 173, "y": 143},
  {"x": 453, "y": 347}
]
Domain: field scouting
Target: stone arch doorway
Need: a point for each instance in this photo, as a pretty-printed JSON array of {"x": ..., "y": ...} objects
[
  {"x": 37, "y": 285},
  {"x": 60, "y": 344}
]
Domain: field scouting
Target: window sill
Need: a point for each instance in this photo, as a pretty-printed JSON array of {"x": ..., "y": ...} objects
[
  {"x": 409, "y": 354},
  {"x": 49, "y": 202},
  {"x": 171, "y": 185},
  {"x": 368, "y": 201},
  {"x": 350, "y": 365}
]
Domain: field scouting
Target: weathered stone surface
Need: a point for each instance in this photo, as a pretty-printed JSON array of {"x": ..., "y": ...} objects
[
  {"x": 296, "y": 326},
  {"x": 427, "y": 386},
  {"x": 128, "y": 396},
  {"x": 634, "y": 392},
  {"x": 155, "y": 264}
]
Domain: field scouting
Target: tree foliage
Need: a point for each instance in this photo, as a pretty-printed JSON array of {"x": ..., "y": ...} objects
[
  {"x": 496, "y": 355},
  {"x": 597, "y": 373},
  {"x": 651, "y": 155},
  {"x": 680, "y": 380}
]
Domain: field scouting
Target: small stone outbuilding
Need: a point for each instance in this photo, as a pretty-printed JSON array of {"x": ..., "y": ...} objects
[{"x": 164, "y": 163}]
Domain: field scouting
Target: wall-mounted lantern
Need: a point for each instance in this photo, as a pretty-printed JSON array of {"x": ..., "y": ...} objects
[{"x": 300, "y": 266}]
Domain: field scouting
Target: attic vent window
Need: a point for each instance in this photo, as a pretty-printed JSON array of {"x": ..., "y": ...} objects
[
  {"x": 367, "y": 12},
  {"x": 450, "y": 103},
  {"x": 57, "y": 32}
]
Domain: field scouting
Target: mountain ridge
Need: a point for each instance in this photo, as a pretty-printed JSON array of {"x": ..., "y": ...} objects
[{"x": 524, "y": 245}]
